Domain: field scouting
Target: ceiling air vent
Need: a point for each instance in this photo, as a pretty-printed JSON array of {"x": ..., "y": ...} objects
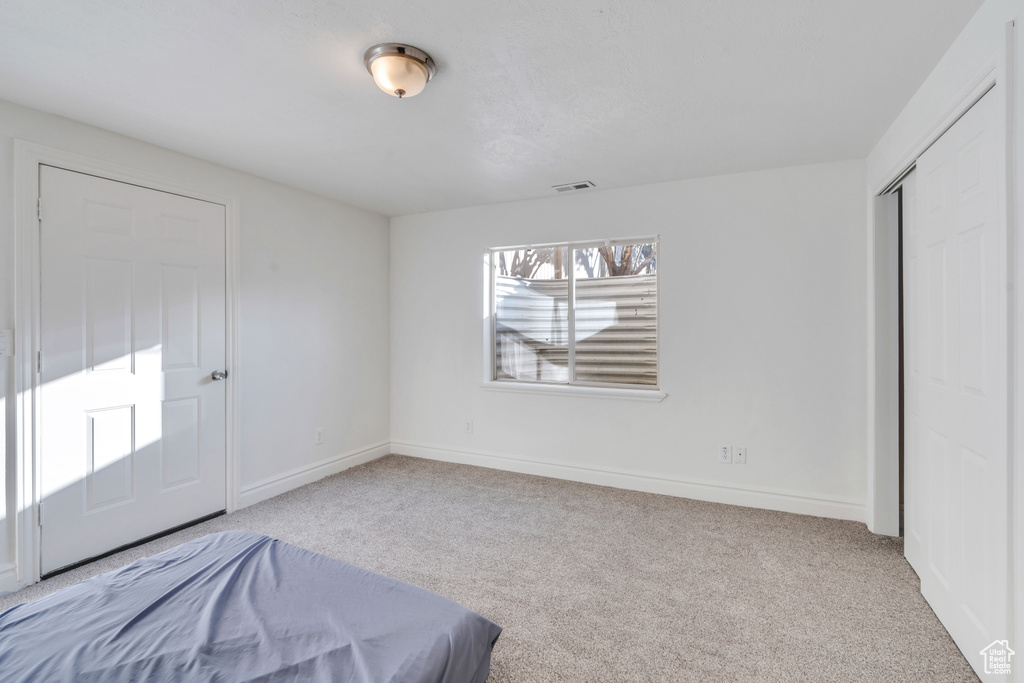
[{"x": 569, "y": 187}]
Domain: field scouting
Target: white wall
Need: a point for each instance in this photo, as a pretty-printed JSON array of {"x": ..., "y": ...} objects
[
  {"x": 980, "y": 47},
  {"x": 313, "y": 328},
  {"x": 975, "y": 51},
  {"x": 762, "y": 341}
]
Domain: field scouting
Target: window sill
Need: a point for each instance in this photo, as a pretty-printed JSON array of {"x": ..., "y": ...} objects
[{"x": 647, "y": 395}]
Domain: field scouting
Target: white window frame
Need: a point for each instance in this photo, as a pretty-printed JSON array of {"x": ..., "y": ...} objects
[{"x": 573, "y": 387}]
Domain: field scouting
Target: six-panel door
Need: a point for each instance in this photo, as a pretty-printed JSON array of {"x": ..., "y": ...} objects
[
  {"x": 132, "y": 429},
  {"x": 957, "y": 474}
]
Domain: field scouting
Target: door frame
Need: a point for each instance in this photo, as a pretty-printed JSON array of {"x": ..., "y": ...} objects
[
  {"x": 882, "y": 505},
  {"x": 28, "y": 156},
  {"x": 997, "y": 68}
]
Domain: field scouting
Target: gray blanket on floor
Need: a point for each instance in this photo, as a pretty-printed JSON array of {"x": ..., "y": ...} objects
[{"x": 237, "y": 606}]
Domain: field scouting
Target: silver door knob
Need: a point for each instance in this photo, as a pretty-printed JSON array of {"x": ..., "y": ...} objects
[{"x": 218, "y": 375}]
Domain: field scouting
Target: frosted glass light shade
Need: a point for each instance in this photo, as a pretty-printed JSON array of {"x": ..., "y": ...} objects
[
  {"x": 399, "y": 75},
  {"x": 398, "y": 69}
]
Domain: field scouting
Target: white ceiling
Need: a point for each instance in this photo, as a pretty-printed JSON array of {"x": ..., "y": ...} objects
[{"x": 528, "y": 93}]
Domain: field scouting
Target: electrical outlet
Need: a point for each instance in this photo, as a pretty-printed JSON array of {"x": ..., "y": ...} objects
[
  {"x": 469, "y": 426},
  {"x": 318, "y": 436},
  {"x": 741, "y": 455},
  {"x": 725, "y": 455}
]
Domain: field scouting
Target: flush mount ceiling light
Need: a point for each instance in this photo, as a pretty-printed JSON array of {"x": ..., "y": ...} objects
[{"x": 399, "y": 70}]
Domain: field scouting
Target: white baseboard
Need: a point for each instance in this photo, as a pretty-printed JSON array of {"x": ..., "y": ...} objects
[
  {"x": 785, "y": 501},
  {"x": 9, "y": 579},
  {"x": 300, "y": 476}
]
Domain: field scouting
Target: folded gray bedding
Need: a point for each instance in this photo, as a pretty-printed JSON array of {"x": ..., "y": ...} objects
[{"x": 238, "y": 606}]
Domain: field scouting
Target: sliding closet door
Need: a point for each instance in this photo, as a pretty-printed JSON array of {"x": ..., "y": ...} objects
[{"x": 956, "y": 316}]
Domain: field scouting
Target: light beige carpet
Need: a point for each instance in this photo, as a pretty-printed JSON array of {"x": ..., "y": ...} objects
[{"x": 600, "y": 584}]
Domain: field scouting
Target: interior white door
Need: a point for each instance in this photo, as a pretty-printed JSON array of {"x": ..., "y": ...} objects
[
  {"x": 956, "y": 316},
  {"x": 131, "y": 425}
]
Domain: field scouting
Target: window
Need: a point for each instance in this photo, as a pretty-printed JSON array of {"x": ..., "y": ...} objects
[{"x": 576, "y": 313}]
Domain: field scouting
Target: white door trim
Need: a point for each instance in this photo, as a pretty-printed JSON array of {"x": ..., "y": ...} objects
[
  {"x": 999, "y": 67},
  {"x": 973, "y": 90},
  {"x": 27, "y": 158},
  {"x": 882, "y": 506}
]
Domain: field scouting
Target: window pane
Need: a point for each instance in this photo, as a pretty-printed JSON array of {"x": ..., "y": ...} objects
[
  {"x": 617, "y": 314},
  {"x": 531, "y": 314}
]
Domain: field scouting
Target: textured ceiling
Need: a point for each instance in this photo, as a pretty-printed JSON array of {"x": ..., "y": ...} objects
[{"x": 528, "y": 93}]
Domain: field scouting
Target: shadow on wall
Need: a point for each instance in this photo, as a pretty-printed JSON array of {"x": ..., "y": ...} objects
[{"x": 116, "y": 428}]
